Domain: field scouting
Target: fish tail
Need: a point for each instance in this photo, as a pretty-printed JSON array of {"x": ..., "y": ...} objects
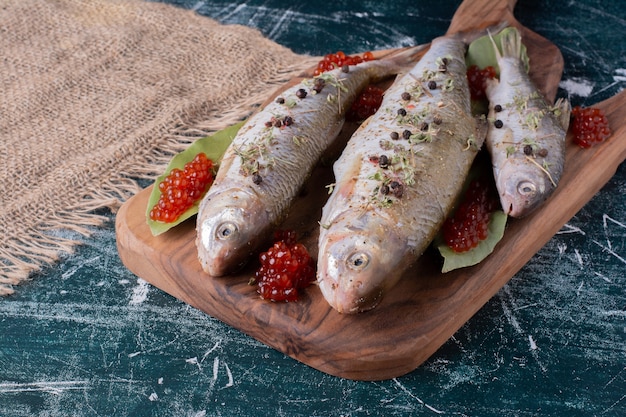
[
  {"x": 470, "y": 36},
  {"x": 511, "y": 43},
  {"x": 562, "y": 110}
]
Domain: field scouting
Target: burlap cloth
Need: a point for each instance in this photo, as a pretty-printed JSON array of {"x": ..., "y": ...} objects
[{"x": 96, "y": 94}]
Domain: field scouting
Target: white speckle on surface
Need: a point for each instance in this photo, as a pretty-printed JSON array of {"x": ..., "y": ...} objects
[
  {"x": 579, "y": 257},
  {"x": 568, "y": 228},
  {"x": 123, "y": 282},
  {"x": 153, "y": 396},
  {"x": 533, "y": 345},
  {"x": 216, "y": 366},
  {"x": 419, "y": 400},
  {"x": 603, "y": 277},
  {"x": 140, "y": 292},
  {"x": 194, "y": 361},
  {"x": 577, "y": 87},
  {"x": 231, "y": 380},
  {"x": 51, "y": 387},
  {"x": 160, "y": 381}
]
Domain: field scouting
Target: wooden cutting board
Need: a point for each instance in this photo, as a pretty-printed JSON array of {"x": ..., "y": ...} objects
[{"x": 426, "y": 308}]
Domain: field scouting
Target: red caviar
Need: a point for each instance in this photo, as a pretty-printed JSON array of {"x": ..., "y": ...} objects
[
  {"x": 182, "y": 188},
  {"x": 590, "y": 126},
  {"x": 365, "y": 104},
  {"x": 470, "y": 223},
  {"x": 476, "y": 78},
  {"x": 286, "y": 268},
  {"x": 339, "y": 59}
]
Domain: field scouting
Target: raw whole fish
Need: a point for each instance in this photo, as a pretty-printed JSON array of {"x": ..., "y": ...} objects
[
  {"x": 397, "y": 179},
  {"x": 526, "y": 138}
]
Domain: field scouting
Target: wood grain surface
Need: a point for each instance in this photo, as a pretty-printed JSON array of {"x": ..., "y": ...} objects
[{"x": 426, "y": 308}]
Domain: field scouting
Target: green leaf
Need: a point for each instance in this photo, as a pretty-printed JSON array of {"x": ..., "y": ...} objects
[
  {"x": 214, "y": 147},
  {"x": 454, "y": 260},
  {"x": 481, "y": 53}
]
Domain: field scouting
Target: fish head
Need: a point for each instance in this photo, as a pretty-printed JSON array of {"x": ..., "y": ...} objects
[
  {"x": 230, "y": 226},
  {"x": 358, "y": 261},
  {"x": 522, "y": 188}
]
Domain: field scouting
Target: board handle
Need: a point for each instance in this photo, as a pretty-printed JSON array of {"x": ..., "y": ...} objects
[{"x": 479, "y": 14}]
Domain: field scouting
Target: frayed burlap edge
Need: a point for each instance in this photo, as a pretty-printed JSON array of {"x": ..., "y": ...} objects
[{"x": 44, "y": 244}]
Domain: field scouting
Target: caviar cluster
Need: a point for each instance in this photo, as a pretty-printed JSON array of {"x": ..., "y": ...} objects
[
  {"x": 470, "y": 223},
  {"x": 366, "y": 104},
  {"x": 339, "y": 60},
  {"x": 476, "y": 78},
  {"x": 182, "y": 188},
  {"x": 590, "y": 126},
  {"x": 285, "y": 268}
]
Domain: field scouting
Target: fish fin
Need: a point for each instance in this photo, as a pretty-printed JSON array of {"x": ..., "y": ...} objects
[
  {"x": 562, "y": 110},
  {"x": 342, "y": 191},
  {"x": 511, "y": 44},
  {"x": 496, "y": 50},
  {"x": 470, "y": 36}
]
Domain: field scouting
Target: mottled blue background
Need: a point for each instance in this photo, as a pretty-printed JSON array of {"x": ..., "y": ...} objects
[{"x": 88, "y": 338}]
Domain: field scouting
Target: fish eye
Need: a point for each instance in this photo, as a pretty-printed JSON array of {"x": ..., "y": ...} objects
[
  {"x": 526, "y": 188},
  {"x": 358, "y": 261},
  {"x": 226, "y": 230}
]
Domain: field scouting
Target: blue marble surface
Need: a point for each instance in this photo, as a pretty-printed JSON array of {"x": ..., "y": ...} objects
[{"x": 88, "y": 338}]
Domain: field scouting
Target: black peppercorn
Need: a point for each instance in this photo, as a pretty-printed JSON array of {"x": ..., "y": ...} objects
[
  {"x": 397, "y": 189},
  {"x": 432, "y": 84},
  {"x": 401, "y": 112},
  {"x": 498, "y": 124},
  {"x": 256, "y": 178},
  {"x": 528, "y": 150},
  {"x": 383, "y": 161},
  {"x": 406, "y": 134},
  {"x": 406, "y": 96},
  {"x": 497, "y": 108},
  {"x": 394, "y": 136},
  {"x": 301, "y": 93}
]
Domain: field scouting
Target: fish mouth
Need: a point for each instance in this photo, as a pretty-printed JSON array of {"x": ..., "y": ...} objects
[
  {"x": 350, "y": 276},
  {"x": 522, "y": 192},
  {"x": 349, "y": 300},
  {"x": 229, "y": 231}
]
